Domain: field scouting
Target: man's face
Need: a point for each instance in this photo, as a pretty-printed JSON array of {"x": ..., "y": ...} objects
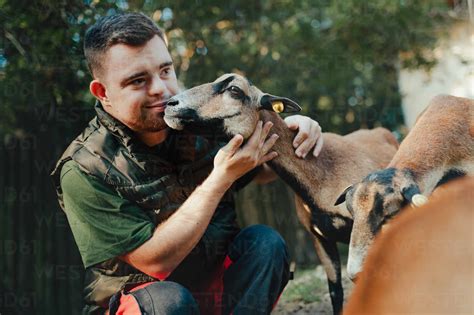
[{"x": 138, "y": 81}]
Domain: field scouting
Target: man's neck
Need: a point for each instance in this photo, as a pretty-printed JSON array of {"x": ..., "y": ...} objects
[{"x": 153, "y": 138}]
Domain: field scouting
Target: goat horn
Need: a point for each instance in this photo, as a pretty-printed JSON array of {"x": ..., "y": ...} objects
[{"x": 418, "y": 200}]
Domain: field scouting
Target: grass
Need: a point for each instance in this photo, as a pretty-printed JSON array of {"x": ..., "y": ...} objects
[{"x": 308, "y": 286}]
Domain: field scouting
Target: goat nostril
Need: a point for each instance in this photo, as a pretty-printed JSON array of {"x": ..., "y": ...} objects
[{"x": 172, "y": 102}]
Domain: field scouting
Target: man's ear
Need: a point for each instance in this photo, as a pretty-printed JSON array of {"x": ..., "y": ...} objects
[
  {"x": 98, "y": 90},
  {"x": 278, "y": 104}
]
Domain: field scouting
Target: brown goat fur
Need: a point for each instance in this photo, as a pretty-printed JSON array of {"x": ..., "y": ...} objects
[
  {"x": 234, "y": 106},
  {"x": 452, "y": 135},
  {"x": 423, "y": 263},
  {"x": 438, "y": 148},
  {"x": 329, "y": 171}
]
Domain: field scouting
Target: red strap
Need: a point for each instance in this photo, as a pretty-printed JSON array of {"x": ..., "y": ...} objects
[
  {"x": 214, "y": 288},
  {"x": 128, "y": 303}
]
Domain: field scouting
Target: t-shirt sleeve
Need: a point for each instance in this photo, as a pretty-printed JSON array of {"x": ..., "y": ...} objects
[{"x": 104, "y": 225}]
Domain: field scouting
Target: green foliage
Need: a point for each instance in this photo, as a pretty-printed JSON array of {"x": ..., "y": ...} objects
[
  {"x": 338, "y": 59},
  {"x": 41, "y": 58}
]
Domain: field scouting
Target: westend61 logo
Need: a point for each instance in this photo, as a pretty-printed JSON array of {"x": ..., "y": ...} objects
[
  {"x": 24, "y": 300},
  {"x": 22, "y": 247}
]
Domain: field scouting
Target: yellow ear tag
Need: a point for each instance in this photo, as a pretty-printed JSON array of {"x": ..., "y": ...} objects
[{"x": 278, "y": 106}]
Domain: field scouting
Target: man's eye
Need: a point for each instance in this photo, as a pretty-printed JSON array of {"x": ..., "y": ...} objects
[
  {"x": 139, "y": 81},
  {"x": 166, "y": 72}
]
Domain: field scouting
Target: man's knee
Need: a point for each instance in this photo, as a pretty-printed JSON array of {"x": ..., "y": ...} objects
[
  {"x": 263, "y": 240},
  {"x": 166, "y": 298}
]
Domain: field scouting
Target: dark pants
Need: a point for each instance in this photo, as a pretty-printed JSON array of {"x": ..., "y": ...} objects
[{"x": 252, "y": 283}]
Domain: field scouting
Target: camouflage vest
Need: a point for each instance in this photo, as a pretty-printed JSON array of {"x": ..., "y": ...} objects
[{"x": 158, "y": 180}]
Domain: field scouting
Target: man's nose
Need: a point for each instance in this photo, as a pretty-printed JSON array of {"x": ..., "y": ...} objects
[{"x": 157, "y": 87}]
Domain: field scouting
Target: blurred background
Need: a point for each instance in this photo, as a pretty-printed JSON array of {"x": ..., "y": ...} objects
[{"x": 351, "y": 64}]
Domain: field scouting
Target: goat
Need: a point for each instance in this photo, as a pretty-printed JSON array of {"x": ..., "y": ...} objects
[
  {"x": 232, "y": 105},
  {"x": 423, "y": 263},
  {"x": 438, "y": 148}
]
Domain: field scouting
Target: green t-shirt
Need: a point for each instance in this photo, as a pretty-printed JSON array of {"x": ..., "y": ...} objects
[{"x": 104, "y": 225}]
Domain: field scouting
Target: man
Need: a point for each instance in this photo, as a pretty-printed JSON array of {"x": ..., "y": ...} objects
[{"x": 151, "y": 209}]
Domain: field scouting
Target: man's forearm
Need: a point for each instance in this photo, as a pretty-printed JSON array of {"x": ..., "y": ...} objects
[{"x": 174, "y": 239}]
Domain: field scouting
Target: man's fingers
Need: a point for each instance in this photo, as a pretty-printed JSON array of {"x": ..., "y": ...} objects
[
  {"x": 304, "y": 148},
  {"x": 319, "y": 146},
  {"x": 269, "y": 144},
  {"x": 255, "y": 137},
  {"x": 308, "y": 143},
  {"x": 266, "y": 129},
  {"x": 267, "y": 157},
  {"x": 308, "y": 137},
  {"x": 291, "y": 122},
  {"x": 233, "y": 145},
  {"x": 292, "y": 125},
  {"x": 303, "y": 134}
]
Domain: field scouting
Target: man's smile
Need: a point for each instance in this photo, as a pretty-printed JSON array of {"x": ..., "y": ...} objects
[{"x": 159, "y": 106}]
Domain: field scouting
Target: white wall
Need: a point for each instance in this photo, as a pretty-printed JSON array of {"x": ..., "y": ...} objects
[{"x": 454, "y": 73}]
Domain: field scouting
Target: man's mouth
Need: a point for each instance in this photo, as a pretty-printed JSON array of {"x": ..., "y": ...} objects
[{"x": 160, "y": 106}]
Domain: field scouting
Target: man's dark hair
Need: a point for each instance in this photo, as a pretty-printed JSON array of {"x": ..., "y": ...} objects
[{"x": 134, "y": 29}]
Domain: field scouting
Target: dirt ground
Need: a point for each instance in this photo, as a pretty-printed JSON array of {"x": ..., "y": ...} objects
[{"x": 308, "y": 294}]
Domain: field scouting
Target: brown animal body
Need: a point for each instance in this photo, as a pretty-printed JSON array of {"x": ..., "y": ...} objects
[
  {"x": 423, "y": 264},
  {"x": 441, "y": 140},
  {"x": 440, "y": 147},
  {"x": 232, "y": 105}
]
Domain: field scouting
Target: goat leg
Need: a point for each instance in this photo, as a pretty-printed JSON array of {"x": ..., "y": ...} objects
[{"x": 329, "y": 255}]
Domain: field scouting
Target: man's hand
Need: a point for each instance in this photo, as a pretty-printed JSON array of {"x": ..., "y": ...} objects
[
  {"x": 174, "y": 239},
  {"x": 233, "y": 161},
  {"x": 309, "y": 136}
]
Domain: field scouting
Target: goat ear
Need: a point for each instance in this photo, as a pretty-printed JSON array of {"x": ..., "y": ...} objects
[
  {"x": 279, "y": 104},
  {"x": 342, "y": 197}
]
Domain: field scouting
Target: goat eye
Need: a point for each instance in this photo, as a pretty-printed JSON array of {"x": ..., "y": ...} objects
[
  {"x": 238, "y": 94},
  {"x": 235, "y": 90}
]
